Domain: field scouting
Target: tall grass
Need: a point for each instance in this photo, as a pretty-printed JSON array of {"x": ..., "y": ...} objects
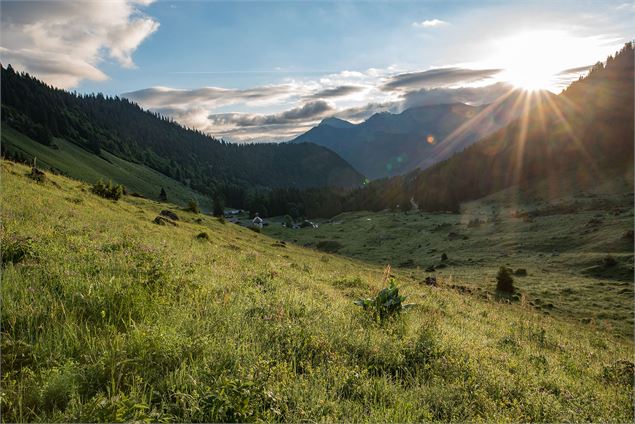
[{"x": 112, "y": 318}]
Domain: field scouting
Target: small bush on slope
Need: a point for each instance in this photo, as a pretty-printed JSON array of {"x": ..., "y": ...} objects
[{"x": 108, "y": 190}]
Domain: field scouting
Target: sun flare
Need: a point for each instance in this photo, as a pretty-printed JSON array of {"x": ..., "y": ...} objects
[{"x": 535, "y": 60}]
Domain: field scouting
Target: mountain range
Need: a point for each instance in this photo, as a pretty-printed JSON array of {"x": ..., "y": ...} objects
[
  {"x": 579, "y": 139},
  {"x": 100, "y": 126},
  {"x": 388, "y": 144}
]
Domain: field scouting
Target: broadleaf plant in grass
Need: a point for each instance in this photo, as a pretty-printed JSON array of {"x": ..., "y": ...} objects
[{"x": 388, "y": 301}]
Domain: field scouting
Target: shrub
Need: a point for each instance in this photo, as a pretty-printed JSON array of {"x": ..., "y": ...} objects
[
  {"x": 609, "y": 261},
  {"x": 219, "y": 206},
  {"x": 474, "y": 223},
  {"x": 504, "y": 281},
  {"x": 202, "y": 236},
  {"x": 444, "y": 257},
  {"x": 37, "y": 175},
  {"x": 192, "y": 206},
  {"x": 288, "y": 221},
  {"x": 620, "y": 372},
  {"x": 15, "y": 249},
  {"x": 329, "y": 246},
  {"x": 386, "y": 304},
  {"x": 108, "y": 190},
  {"x": 163, "y": 196}
]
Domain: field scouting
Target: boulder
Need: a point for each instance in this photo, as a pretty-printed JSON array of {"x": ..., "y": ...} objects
[
  {"x": 169, "y": 214},
  {"x": 159, "y": 220}
]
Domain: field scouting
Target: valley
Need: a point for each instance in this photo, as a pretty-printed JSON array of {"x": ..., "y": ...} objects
[
  {"x": 108, "y": 316},
  {"x": 317, "y": 212},
  {"x": 562, "y": 243}
]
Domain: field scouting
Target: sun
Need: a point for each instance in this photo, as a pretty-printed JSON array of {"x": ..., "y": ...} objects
[
  {"x": 534, "y": 60},
  {"x": 530, "y": 78}
]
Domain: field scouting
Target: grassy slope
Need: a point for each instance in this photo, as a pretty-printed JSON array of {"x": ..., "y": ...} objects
[
  {"x": 78, "y": 163},
  {"x": 114, "y": 318},
  {"x": 562, "y": 249}
]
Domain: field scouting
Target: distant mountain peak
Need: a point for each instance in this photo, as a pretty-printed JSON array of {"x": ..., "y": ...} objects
[{"x": 336, "y": 123}]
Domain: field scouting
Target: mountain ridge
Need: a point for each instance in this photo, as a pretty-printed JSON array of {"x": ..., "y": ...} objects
[
  {"x": 389, "y": 144},
  {"x": 208, "y": 165}
]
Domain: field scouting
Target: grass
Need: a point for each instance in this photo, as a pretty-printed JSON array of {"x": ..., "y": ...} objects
[
  {"x": 70, "y": 159},
  {"x": 109, "y": 317},
  {"x": 563, "y": 249}
]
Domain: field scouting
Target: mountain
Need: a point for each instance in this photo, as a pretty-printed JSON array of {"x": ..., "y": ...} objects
[
  {"x": 336, "y": 123},
  {"x": 389, "y": 144},
  {"x": 580, "y": 139},
  {"x": 105, "y": 126}
]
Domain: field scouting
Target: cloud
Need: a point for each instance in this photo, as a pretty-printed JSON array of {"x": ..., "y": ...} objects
[
  {"x": 65, "y": 42},
  {"x": 303, "y": 103},
  {"x": 469, "y": 95},
  {"x": 430, "y": 23},
  {"x": 437, "y": 77},
  {"x": 577, "y": 71},
  {"x": 341, "y": 91},
  {"x": 307, "y": 111},
  {"x": 159, "y": 97}
]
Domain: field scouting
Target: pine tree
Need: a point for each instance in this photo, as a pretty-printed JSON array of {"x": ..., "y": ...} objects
[
  {"x": 163, "y": 196},
  {"x": 219, "y": 205}
]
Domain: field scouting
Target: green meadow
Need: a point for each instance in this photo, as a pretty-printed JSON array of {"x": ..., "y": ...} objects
[
  {"x": 577, "y": 250},
  {"x": 108, "y": 316},
  {"x": 69, "y": 159}
]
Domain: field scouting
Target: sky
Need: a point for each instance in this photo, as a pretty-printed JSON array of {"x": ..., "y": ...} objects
[{"x": 249, "y": 71}]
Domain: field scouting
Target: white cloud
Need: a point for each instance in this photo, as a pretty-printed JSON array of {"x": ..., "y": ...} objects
[
  {"x": 282, "y": 111},
  {"x": 65, "y": 42},
  {"x": 430, "y": 23}
]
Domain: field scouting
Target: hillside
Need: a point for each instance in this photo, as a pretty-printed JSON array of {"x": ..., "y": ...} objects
[
  {"x": 109, "y": 317},
  {"x": 581, "y": 139},
  {"x": 586, "y": 133},
  {"x": 73, "y": 161},
  {"x": 121, "y": 128},
  {"x": 388, "y": 144},
  {"x": 561, "y": 242}
]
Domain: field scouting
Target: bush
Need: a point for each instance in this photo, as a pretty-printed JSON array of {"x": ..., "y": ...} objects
[
  {"x": 202, "y": 236},
  {"x": 37, "y": 175},
  {"x": 504, "y": 281},
  {"x": 386, "y": 304},
  {"x": 219, "y": 206},
  {"x": 288, "y": 221},
  {"x": 329, "y": 246},
  {"x": 15, "y": 249},
  {"x": 108, "y": 190},
  {"x": 609, "y": 262},
  {"x": 192, "y": 206}
]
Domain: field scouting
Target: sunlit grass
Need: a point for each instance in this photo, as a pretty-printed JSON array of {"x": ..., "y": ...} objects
[{"x": 113, "y": 318}]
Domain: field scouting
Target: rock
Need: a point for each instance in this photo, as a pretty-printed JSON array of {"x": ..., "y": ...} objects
[
  {"x": 159, "y": 220},
  {"x": 431, "y": 281},
  {"x": 169, "y": 214}
]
